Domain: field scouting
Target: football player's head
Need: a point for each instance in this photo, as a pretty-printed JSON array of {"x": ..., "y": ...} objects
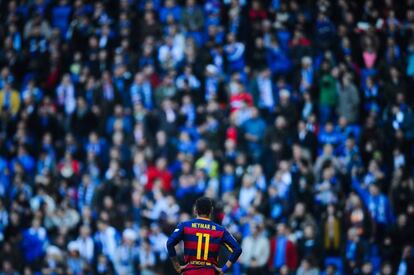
[{"x": 204, "y": 206}]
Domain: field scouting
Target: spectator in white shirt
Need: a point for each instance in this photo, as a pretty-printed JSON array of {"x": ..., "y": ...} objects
[
  {"x": 126, "y": 257},
  {"x": 256, "y": 251},
  {"x": 247, "y": 192},
  {"x": 85, "y": 243},
  {"x": 65, "y": 94},
  {"x": 170, "y": 54},
  {"x": 146, "y": 259},
  {"x": 158, "y": 240},
  {"x": 188, "y": 78},
  {"x": 105, "y": 238}
]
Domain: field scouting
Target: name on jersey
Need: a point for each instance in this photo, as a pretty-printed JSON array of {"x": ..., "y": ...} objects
[
  {"x": 203, "y": 226},
  {"x": 200, "y": 263}
]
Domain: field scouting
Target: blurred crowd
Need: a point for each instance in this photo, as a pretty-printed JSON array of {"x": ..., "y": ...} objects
[{"x": 295, "y": 116}]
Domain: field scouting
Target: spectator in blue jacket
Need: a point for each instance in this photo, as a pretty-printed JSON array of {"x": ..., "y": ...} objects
[
  {"x": 234, "y": 51},
  {"x": 254, "y": 131},
  {"x": 378, "y": 205},
  {"x": 277, "y": 60}
]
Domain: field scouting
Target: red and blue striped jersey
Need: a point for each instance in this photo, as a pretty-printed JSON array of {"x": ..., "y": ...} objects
[{"x": 202, "y": 240}]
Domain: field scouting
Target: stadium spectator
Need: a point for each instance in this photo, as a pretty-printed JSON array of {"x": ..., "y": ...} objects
[{"x": 257, "y": 249}]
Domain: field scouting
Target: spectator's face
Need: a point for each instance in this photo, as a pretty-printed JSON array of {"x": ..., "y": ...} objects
[
  {"x": 230, "y": 145},
  {"x": 12, "y": 6},
  {"x": 247, "y": 181},
  {"x": 281, "y": 229},
  {"x": 346, "y": 80},
  {"x": 301, "y": 126},
  {"x": 184, "y": 137},
  {"x": 329, "y": 127},
  {"x": 86, "y": 179},
  {"x": 187, "y": 100},
  {"x": 5, "y": 72},
  {"x": 257, "y": 170},
  {"x": 101, "y": 225},
  {"x": 228, "y": 169},
  {"x": 349, "y": 18},
  {"x": 36, "y": 223},
  {"x": 161, "y": 163},
  {"x": 349, "y": 143},
  {"x": 255, "y": 5},
  {"x": 331, "y": 210},
  {"x": 231, "y": 38},
  {"x": 93, "y": 42},
  {"x": 299, "y": 209},
  {"x": 321, "y": 17},
  {"x": 354, "y": 201},
  {"x": 14, "y": 218},
  {"x": 309, "y": 232},
  {"x": 373, "y": 166},
  {"x": 367, "y": 268},
  {"x": 81, "y": 104},
  {"x": 136, "y": 198},
  {"x": 330, "y": 270},
  {"x": 7, "y": 267},
  {"x": 168, "y": 80},
  {"x": 12, "y": 28},
  {"x": 169, "y": 3},
  {"x": 374, "y": 190},
  {"x": 327, "y": 174},
  {"x": 402, "y": 220},
  {"x": 212, "y": 30},
  {"x": 410, "y": 15},
  {"x": 161, "y": 138},
  {"x": 284, "y": 270},
  {"x": 85, "y": 231},
  {"x": 149, "y": 17},
  {"x": 305, "y": 265},
  {"x": 259, "y": 43},
  {"x": 400, "y": 98},
  {"x": 66, "y": 80},
  {"x": 118, "y": 138},
  {"x": 284, "y": 166},
  {"x": 254, "y": 113},
  {"x": 7, "y": 87},
  {"x": 129, "y": 241},
  {"x": 103, "y": 55},
  {"x": 266, "y": 73},
  {"x": 102, "y": 260},
  {"x": 386, "y": 269},
  {"x": 167, "y": 104},
  {"x": 86, "y": 213},
  {"x": 280, "y": 122},
  {"x": 394, "y": 72}
]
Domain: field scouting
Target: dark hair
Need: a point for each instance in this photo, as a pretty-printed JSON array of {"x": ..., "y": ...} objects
[{"x": 204, "y": 206}]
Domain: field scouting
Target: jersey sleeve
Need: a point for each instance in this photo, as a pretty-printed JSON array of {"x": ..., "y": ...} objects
[
  {"x": 232, "y": 245},
  {"x": 174, "y": 239}
]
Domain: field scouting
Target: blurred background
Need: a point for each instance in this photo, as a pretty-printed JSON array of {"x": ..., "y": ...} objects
[{"x": 295, "y": 116}]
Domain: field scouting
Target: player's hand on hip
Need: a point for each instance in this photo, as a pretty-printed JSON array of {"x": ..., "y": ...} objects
[
  {"x": 182, "y": 268},
  {"x": 219, "y": 271}
]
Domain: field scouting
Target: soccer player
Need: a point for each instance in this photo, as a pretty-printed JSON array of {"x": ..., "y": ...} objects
[{"x": 202, "y": 240}]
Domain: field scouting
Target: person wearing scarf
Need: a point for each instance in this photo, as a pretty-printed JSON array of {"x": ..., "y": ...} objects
[{"x": 282, "y": 251}]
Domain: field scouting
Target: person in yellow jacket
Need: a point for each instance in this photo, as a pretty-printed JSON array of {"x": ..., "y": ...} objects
[
  {"x": 9, "y": 99},
  {"x": 208, "y": 163}
]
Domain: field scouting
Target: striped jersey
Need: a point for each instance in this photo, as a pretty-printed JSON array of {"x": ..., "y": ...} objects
[{"x": 202, "y": 240}]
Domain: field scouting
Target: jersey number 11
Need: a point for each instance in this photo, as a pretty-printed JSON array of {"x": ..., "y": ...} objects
[{"x": 199, "y": 245}]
